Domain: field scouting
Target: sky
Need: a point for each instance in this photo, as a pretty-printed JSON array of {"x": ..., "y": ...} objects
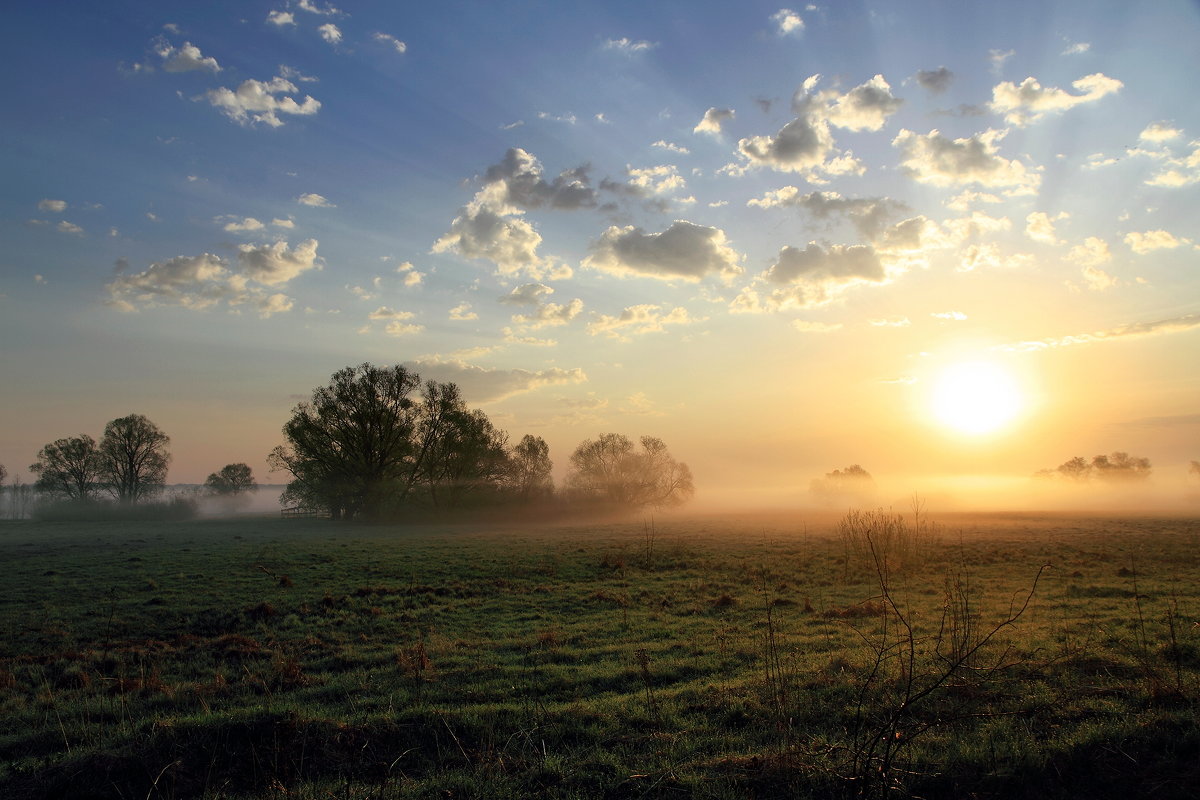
[{"x": 765, "y": 234}]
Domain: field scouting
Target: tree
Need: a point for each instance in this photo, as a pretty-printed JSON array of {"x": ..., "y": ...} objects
[
  {"x": 1121, "y": 467},
  {"x": 232, "y": 480},
  {"x": 365, "y": 446},
  {"x": 530, "y": 467},
  {"x": 133, "y": 458},
  {"x": 1076, "y": 469},
  {"x": 352, "y": 444},
  {"x": 69, "y": 468},
  {"x": 609, "y": 470},
  {"x": 851, "y": 483}
]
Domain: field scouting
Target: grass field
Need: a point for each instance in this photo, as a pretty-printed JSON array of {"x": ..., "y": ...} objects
[{"x": 716, "y": 657}]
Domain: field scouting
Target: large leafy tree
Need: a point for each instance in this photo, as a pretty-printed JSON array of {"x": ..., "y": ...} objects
[
  {"x": 232, "y": 480},
  {"x": 133, "y": 458},
  {"x": 376, "y": 441},
  {"x": 611, "y": 471},
  {"x": 69, "y": 468}
]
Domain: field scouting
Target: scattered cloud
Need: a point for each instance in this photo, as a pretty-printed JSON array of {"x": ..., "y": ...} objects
[
  {"x": 529, "y": 294},
  {"x": 387, "y": 38},
  {"x": 685, "y": 251},
  {"x": 1092, "y": 253},
  {"x": 628, "y": 46},
  {"x": 411, "y": 276},
  {"x": 1148, "y": 241},
  {"x": 1039, "y": 226},
  {"x": 487, "y": 385},
  {"x": 69, "y": 228},
  {"x": 233, "y": 224},
  {"x": 713, "y": 119},
  {"x": 1133, "y": 330},
  {"x": 330, "y": 33},
  {"x": 1076, "y": 48},
  {"x": 671, "y": 147},
  {"x": 281, "y": 18},
  {"x": 952, "y": 316},
  {"x": 53, "y": 206},
  {"x": 312, "y": 8},
  {"x": 787, "y": 22},
  {"x": 1159, "y": 132},
  {"x": 811, "y": 277},
  {"x": 808, "y": 326},
  {"x": 998, "y": 59},
  {"x": 1028, "y": 102},
  {"x": 890, "y": 322},
  {"x": 463, "y": 313},
  {"x": 519, "y": 180},
  {"x": 568, "y": 118},
  {"x": 187, "y": 58},
  {"x": 868, "y": 214},
  {"x": 638, "y": 320},
  {"x": 315, "y": 200},
  {"x": 491, "y": 228},
  {"x": 548, "y": 315},
  {"x": 205, "y": 281},
  {"x": 937, "y": 160},
  {"x": 259, "y": 101},
  {"x": 934, "y": 80}
]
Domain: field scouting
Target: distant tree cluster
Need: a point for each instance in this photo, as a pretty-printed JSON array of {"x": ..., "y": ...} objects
[
  {"x": 852, "y": 484},
  {"x": 233, "y": 480},
  {"x": 1116, "y": 467},
  {"x": 129, "y": 463},
  {"x": 377, "y": 442}
]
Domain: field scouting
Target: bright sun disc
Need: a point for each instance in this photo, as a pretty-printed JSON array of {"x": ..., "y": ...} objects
[{"x": 976, "y": 398}]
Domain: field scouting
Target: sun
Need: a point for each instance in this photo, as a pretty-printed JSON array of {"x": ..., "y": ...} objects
[{"x": 976, "y": 398}]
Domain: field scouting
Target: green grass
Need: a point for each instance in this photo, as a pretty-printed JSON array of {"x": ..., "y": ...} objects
[{"x": 714, "y": 658}]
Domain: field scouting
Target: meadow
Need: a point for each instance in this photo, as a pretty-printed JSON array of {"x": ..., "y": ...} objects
[{"x": 801, "y": 655}]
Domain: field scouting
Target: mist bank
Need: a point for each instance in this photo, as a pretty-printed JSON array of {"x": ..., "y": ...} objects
[{"x": 1167, "y": 493}]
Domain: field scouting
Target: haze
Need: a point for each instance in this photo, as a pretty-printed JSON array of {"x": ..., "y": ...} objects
[{"x": 764, "y": 235}]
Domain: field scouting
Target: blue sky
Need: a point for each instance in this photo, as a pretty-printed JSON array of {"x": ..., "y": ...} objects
[{"x": 755, "y": 230}]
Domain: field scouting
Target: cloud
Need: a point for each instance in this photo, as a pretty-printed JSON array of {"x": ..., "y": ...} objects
[
  {"x": 939, "y": 161},
  {"x": 671, "y": 146},
  {"x": 386, "y": 313},
  {"x": 1076, "y": 48},
  {"x": 327, "y": 11},
  {"x": 484, "y": 385},
  {"x": 549, "y": 315},
  {"x": 1148, "y": 241},
  {"x": 637, "y": 320},
  {"x": 521, "y": 177},
  {"x": 662, "y": 179},
  {"x": 387, "y": 38},
  {"x": 490, "y": 228},
  {"x": 868, "y": 214},
  {"x": 283, "y": 223},
  {"x": 812, "y": 277},
  {"x": 529, "y": 294},
  {"x": 258, "y": 101},
  {"x": 234, "y": 225},
  {"x": 293, "y": 74},
  {"x": 54, "y": 206},
  {"x": 935, "y": 80},
  {"x": 187, "y": 58},
  {"x": 1135, "y": 330},
  {"x": 330, "y": 33},
  {"x": 396, "y": 321},
  {"x": 1029, "y": 102},
  {"x": 1159, "y": 132},
  {"x": 787, "y": 22},
  {"x": 713, "y": 119},
  {"x": 954, "y": 316},
  {"x": 808, "y": 326},
  {"x": 863, "y": 108},
  {"x": 806, "y": 143},
  {"x": 411, "y": 276},
  {"x": 281, "y": 18},
  {"x": 1182, "y": 171},
  {"x": 198, "y": 282},
  {"x": 998, "y": 59},
  {"x": 315, "y": 200},
  {"x": 568, "y": 118},
  {"x": 463, "y": 313},
  {"x": 272, "y": 264},
  {"x": 684, "y": 251},
  {"x": 69, "y": 228},
  {"x": 628, "y": 46},
  {"x": 1092, "y": 253},
  {"x": 1039, "y": 226}
]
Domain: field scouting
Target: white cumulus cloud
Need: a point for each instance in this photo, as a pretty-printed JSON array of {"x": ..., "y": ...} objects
[
  {"x": 1027, "y": 102},
  {"x": 262, "y": 101},
  {"x": 684, "y": 251}
]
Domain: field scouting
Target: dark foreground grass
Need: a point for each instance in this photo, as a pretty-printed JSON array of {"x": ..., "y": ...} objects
[{"x": 710, "y": 658}]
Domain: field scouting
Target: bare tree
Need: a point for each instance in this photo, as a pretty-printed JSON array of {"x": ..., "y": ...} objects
[
  {"x": 134, "y": 458},
  {"x": 609, "y": 470},
  {"x": 850, "y": 484},
  {"x": 530, "y": 468},
  {"x": 69, "y": 468}
]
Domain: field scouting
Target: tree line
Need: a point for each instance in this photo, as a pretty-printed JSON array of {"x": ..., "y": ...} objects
[{"x": 377, "y": 443}]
